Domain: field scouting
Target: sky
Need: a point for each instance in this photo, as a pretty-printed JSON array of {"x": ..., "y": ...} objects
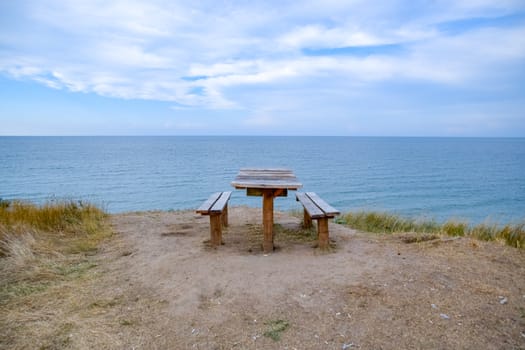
[{"x": 212, "y": 67}]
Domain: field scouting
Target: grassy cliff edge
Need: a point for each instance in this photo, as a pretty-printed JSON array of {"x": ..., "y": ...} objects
[{"x": 379, "y": 222}]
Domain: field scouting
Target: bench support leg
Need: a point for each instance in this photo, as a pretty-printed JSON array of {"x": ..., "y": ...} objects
[
  {"x": 224, "y": 216},
  {"x": 215, "y": 230},
  {"x": 322, "y": 232},
  {"x": 307, "y": 220}
]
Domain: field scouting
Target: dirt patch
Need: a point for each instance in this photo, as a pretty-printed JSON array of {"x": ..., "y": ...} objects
[
  {"x": 158, "y": 285},
  {"x": 179, "y": 230},
  {"x": 417, "y": 237}
]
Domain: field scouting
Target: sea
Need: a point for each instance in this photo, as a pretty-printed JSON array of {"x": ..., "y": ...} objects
[{"x": 471, "y": 179}]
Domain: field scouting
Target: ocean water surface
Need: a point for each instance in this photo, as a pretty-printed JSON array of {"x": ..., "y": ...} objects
[{"x": 474, "y": 179}]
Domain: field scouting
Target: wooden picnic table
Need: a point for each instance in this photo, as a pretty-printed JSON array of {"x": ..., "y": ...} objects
[{"x": 268, "y": 183}]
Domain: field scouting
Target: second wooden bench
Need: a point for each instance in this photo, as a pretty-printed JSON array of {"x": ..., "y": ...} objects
[
  {"x": 217, "y": 208},
  {"x": 317, "y": 209}
]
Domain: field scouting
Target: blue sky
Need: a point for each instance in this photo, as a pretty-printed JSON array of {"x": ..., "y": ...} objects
[{"x": 363, "y": 68}]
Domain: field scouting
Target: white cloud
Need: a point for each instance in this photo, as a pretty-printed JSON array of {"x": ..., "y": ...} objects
[
  {"x": 213, "y": 55},
  {"x": 129, "y": 17},
  {"x": 130, "y": 56},
  {"x": 316, "y": 36}
]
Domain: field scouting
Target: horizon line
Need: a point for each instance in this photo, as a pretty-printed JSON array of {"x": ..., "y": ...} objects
[
  {"x": 269, "y": 136},
  {"x": 248, "y": 135}
]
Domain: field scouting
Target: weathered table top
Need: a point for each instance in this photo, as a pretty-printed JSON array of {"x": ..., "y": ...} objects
[{"x": 266, "y": 178}]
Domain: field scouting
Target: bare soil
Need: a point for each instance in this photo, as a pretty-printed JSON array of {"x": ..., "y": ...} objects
[{"x": 159, "y": 285}]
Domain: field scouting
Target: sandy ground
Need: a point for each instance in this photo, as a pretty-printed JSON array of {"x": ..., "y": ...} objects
[
  {"x": 161, "y": 286},
  {"x": 157, "y": 284}
]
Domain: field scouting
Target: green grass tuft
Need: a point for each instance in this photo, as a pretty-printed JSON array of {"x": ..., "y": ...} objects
[
  {"x": 378, "y": 222},
  {"x": 276, "y": 328},
  {"x": 452, "y": 228},
  {"x": 21, "y": 289}
]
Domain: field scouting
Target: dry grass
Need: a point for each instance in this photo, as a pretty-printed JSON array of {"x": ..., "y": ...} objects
[
  {"x": 511, "y": 234},
  {"x": 67, "y": 226},
  {"x": 46, "y": 252},
  {"x": 294, "y": 234},
  {"x": 54, "y": 216}
]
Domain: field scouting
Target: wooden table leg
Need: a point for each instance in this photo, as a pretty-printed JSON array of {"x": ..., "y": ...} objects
[{"x": 268, "y": 196}]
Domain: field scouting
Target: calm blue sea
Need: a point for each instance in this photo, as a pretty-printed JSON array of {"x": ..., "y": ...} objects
[{"x": 475, "y": 179}]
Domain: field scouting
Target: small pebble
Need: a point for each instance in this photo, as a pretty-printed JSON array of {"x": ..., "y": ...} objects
[
  {"x": 444, "y": 316},
  {"x": 434, "y": 306}
]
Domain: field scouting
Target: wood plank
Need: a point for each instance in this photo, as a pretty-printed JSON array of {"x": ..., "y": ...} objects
[
  {"x": 266, "y": 184},
  {"x": 261, "y": 171},
  {"x": 254, "y": 192},
  {"x": 256, "y": 177},
  {"x": 219, "y": 205},
  {"x": 265, "y": 176},
  {"x": 266, "y": 179},
  {"x": 265, "y": 170},
  {"x": 325, "y": 207},
  {"x": 206, "y": 206},
  {"x": 269, "y": 172},
  {"x": 258, "y": 192},
  {"x": 310, "y": 206}
]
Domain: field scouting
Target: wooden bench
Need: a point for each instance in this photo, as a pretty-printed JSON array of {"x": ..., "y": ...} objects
[
  {"x": 317, "y": 209},
  {"x": 217, "y": 208}
]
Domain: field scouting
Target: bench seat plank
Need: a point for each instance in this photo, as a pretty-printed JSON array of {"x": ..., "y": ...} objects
[
  {"x": 221, "y": 202},
  {"x": 208, "y": 204},
  {"x": 312, "y": 209},
  {"x": 325, "y": 207}
]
